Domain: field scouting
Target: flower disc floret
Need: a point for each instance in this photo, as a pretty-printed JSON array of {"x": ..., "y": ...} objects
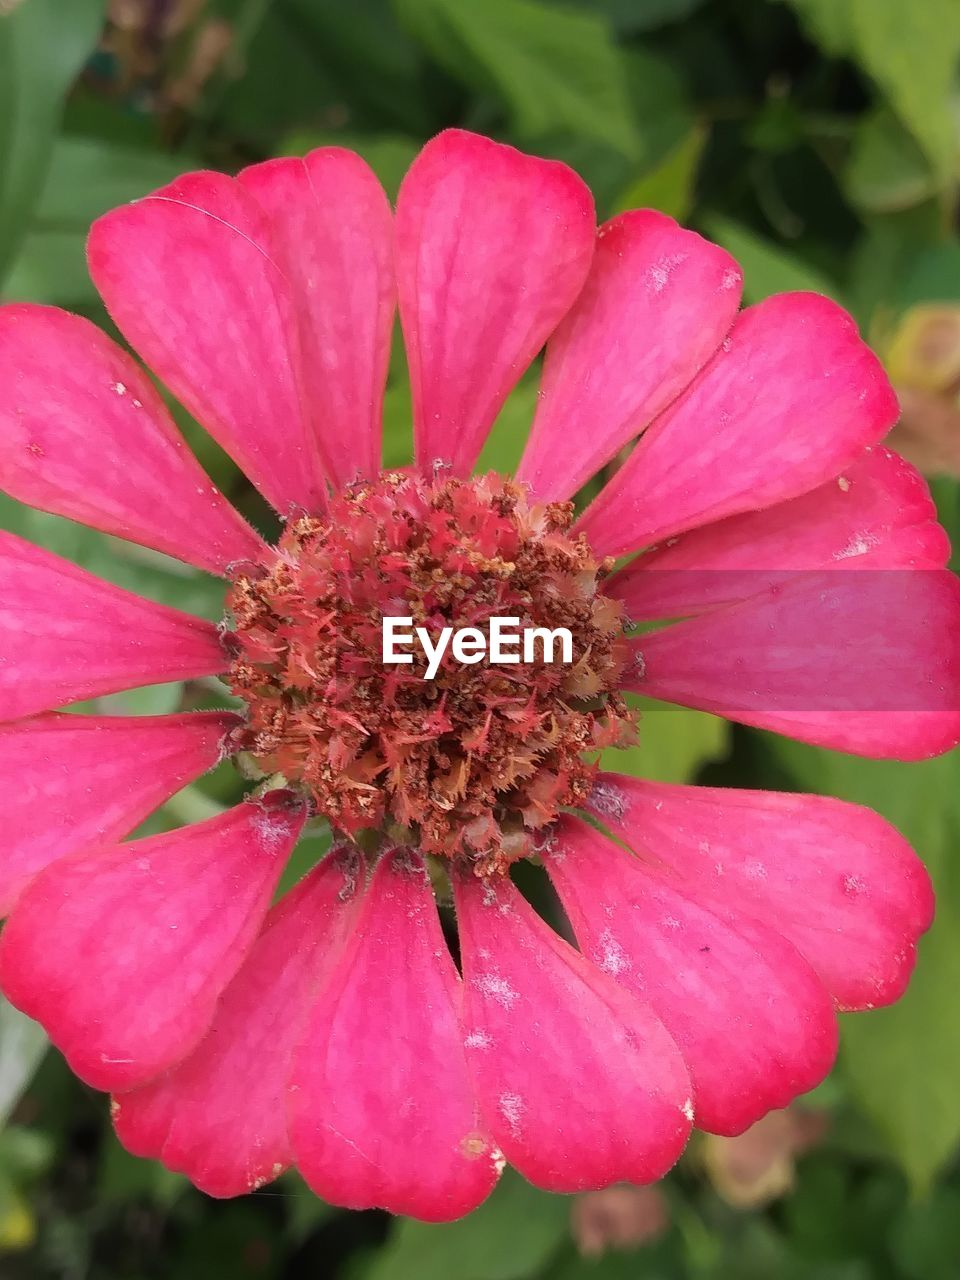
[{"x": 477, "y": 759}]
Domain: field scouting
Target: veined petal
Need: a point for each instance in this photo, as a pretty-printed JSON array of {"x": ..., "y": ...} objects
[
  {"x": 77, "y": 781},
  {"x": 580, "y": 1084},
  {"x": 755, "y": 1025},
  {"x": 878, "y": 514},
  {"x": 220, "y": 1116},
  {"x": 66, "y": 635},
  {"x": 84, "y": 434},
  {"x": 867, "y": 662},
  {"x": 791, "y": 398},
  {"x": 193, "y": 278},
  {"x": 381, "y": 1109},
  {"x": 122, "y": 952},
  {"x": 656, "y": 305},
  {"x": 335, "y": 228},
  {"x": 493, "y": 247},
  {"x": 835, "y": 879}
]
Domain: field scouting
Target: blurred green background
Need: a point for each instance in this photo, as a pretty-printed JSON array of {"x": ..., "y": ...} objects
[{"x": 819, "y": 140}]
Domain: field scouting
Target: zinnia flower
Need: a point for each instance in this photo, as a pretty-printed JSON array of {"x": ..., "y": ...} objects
[{"x": 717, "y": 932}]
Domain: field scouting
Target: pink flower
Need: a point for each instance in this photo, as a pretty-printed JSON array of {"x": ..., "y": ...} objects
[{"x": 333, "y": 1030}]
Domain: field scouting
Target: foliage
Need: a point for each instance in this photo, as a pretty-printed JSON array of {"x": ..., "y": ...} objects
[{"x": 819, "y": 140}]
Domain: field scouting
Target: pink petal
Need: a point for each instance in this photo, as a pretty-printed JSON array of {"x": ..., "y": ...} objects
[
  {"x": 83, "y": 434},
  {"x": 656, "y": 305},
  {"x": 493, "y": 247},
  {"x": 66, "y": 635},
  {"x": 122, "y": 952},
  {"x": 755, "y": 1025},
  {"x": 865, "y": 662},
  {"x": 220, "y": 1116},
  {"x": 877, "y": 515},
  {"x": 791, "y": 398},
  {"x": 334, "y": 224},
  {"x": 192, "y": 275},
  {"x": 381, "y": 1111},
  {"x": 580, "y": 1083},
  {"x": 835, "y": 879},
  {"x": 88, "y": 780}
]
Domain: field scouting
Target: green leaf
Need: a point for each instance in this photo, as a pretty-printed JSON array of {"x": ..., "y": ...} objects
[
  {"x": 51, "y": 267},
  {"x": 926, "y": 1241},
  {"x": 887, "y": 170},
  {"x": 510, "y": 432},
  {"x": 85, "y": 178},
  {"x": 911, "y": 52},
  {"x": 397, "y": 424},
  {"x": 825, "y": 21},
  {"x": 655, "y": 1261},
  {"x": 43, "y": 45},
  {"x": 767, "y": 268},
  {"x": 554, "y": 69},
  {"x": 88, "y": 176},
  {"x": 901, "y": 1061},
  {"x": 669, "y": 185},
  {"x": 369, "y": 56},
  {"x": 674, "y": 743},
  {"x": 23, "y": 1043},
  {"x": 933, "y": 276},
  {"x": 511, "y": 1236},
  {"x": 122, "y": 1177},
  {"x": 643, "y": 15}
]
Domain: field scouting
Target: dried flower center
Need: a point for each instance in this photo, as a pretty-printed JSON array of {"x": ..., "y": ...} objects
[{"x": 478, "y": 759}]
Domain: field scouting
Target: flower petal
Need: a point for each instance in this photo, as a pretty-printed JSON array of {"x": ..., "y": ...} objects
[
  {"x": 192, "y": 277},
  {"x": 493, "y": 246},
  {"x": 877, "y": 515},
  {"x": 77, "y": 781},
  {"x": 381, "y": 1074},
  {"x": 83, "y": 434},
  {"x": 791, "y": 398},
  {"x": 579, "y": 1083},
  {"x": 122, "y": 952},
  {"x": 864, "y": 662},
  {"x": 835, "y": 879},
  {"x": 66, "y": 635},
  {"x": 656, "y": 305},
  {"x": 754, "y": 1023},
  {"x": 334, "y": 224},
  {"x": 220, "y": 1116}
]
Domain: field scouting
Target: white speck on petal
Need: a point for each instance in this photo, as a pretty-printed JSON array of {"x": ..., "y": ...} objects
[
  {"x": 607, "y": 800},
  {"x": 610, "y": 956},
  {"x": 858, "y": 545},
  {"x": 511, "y": 1108},
  {"x": 496, "y": 988}
]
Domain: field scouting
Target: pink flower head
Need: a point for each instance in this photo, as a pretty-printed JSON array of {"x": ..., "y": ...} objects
[{"x": 717, "y": 932}]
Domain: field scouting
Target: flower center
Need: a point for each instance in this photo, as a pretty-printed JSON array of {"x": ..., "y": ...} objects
[{"x": 482, "y": 756}]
